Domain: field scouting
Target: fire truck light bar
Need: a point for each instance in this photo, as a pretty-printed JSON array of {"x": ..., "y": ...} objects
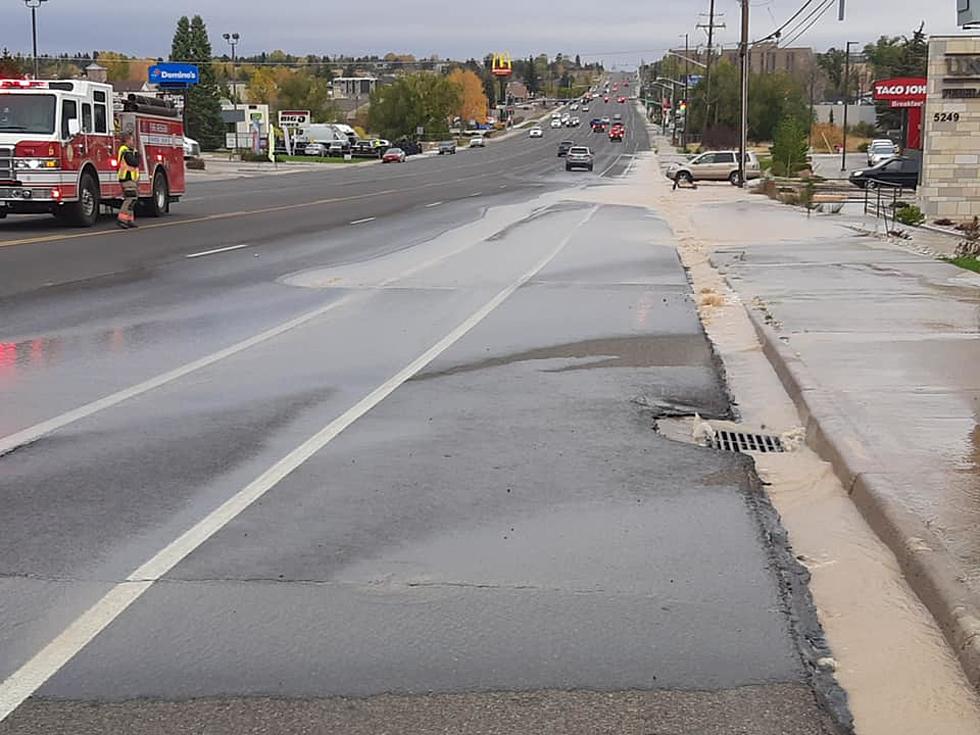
[{"x": 22, "y": 83}]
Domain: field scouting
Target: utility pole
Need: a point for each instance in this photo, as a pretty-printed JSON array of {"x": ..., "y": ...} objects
[
  {"x": 687, "y": 101},
  {"x": 710, "y": 28},
  {"x": 847, "y": 100},
  {"x": 743, "y": 140}
]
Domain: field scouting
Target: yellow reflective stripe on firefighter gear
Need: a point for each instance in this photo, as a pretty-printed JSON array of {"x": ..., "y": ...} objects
[{"x": 126, "y": 172}]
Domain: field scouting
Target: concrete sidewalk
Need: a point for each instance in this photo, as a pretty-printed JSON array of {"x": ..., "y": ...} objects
[{"x": 878, "y": 347}]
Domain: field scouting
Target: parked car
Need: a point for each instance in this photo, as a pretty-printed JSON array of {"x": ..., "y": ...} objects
[
  {"x": 316, "y": 149},
  {"x": 394, "y": 155},
  {"x": 478, "y": 141},
  {"x": 192, "y": 149},
  {"x": 881, "y": 150},
  {"x": 365, "y": 149},
  {"x": 715, "y": 166},
  {"x": 448, "y": 147},
  {"x": 579, "y": 156},
  {"x": 536, "y": 132},
  {"x": 338, "y": 147},
  {"x": 564, "y": 146},
  {"x": 410, "y": 147},
  {"x": 898, "y": 171}
]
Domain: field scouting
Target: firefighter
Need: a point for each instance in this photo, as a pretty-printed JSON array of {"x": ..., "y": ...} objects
[{"x": 129, "y": 176}]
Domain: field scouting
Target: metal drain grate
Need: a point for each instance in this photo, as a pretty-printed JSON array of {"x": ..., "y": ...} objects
[{"x": 736, "y": 441}]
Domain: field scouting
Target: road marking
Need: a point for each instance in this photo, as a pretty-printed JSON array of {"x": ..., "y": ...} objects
[
  {"x": 434, "y": 204},
  {"x": 216, "y": 251},
  {"x": 49, "y": 660},
  {"x": 362, "y": 221},
  {"x": 476, "y": 194}
]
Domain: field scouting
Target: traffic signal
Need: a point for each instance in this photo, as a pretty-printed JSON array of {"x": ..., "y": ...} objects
[{"x": 683, "y": 106}]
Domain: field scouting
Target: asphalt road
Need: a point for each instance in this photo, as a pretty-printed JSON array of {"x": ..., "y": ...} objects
[{"x": 396, "y": 476}]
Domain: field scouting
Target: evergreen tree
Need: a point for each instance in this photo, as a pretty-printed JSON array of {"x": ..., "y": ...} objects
[
  {"x": 531, "y": 78},
  {"x": 10, "y": 66},
  {"x": 191, "y": 44}
]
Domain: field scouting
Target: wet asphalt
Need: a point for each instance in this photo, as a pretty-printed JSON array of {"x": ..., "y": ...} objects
[{"x": 502, "y": 544}]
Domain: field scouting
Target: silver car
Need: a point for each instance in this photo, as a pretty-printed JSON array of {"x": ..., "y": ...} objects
[
  {"x": 316, "y": 149},
  {"x": 579, "y": 156},
  {"x": 881, "y": 150},
  {"x": 715, "y": 166}
]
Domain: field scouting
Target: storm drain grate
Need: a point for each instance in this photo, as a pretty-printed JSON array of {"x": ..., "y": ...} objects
[{"x": 737, "y": 441}]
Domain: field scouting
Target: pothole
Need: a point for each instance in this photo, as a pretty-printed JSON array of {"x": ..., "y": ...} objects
[{"x": 728, "y": 436}]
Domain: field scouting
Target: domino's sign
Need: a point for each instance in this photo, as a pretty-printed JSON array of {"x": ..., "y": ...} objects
[{"x": 174, "y": 75}]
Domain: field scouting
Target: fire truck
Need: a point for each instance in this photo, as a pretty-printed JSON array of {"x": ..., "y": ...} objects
[{"x": 58, "y": 144}]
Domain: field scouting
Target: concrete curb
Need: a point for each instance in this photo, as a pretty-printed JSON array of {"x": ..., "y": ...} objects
[{"x": 930, "y": 570}]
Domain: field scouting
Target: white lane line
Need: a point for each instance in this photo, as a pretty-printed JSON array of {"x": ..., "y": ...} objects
[
  {"x": 476, "y": 194},
  {"x": 216, "y": 251},
  {"x": 362, "y": 221},
  {"x": 50, "y": 659},
  {"x": 433, "y": 204}
]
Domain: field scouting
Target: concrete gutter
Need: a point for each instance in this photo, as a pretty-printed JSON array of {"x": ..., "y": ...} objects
[{"x": 930, "y": 570}]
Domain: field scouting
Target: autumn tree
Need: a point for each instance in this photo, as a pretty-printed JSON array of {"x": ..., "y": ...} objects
[
  {"x": 473, "y": 103},
  {"x": 414, "y": 101},
  {"x": 116, "y": 65}
]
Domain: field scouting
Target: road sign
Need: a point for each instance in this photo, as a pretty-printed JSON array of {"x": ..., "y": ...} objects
[
  {"x": 294, "y": 118},
  {"x": 694, "y": 80},
  {"x": 174, "y": 75}
]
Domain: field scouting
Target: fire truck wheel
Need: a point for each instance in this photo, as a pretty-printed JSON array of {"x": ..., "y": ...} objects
[
  {"x": 159, "y": 204},
  {"x": 85, "y": 212}
]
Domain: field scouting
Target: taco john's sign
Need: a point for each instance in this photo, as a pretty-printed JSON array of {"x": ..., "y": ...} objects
[{"x": 901, "y": 92}]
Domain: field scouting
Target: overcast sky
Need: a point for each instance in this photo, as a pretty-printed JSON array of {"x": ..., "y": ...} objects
[{"x": 619, "y": 33}]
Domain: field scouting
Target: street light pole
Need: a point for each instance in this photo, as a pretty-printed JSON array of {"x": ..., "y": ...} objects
[
  {"x": 34, "y": 5},
  {"x": 743, "y": 143},
  {"x": 847, "y": 99},
  {"x": 232, "y": 39}
]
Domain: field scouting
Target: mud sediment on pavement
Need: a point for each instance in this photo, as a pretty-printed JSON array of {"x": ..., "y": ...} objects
[{"x": 888, "y": 652}]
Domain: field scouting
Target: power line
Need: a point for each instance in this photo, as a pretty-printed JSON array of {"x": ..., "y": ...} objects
[
  {"x": 776, "y": 33},
  {"x": 829, "y": 4}
]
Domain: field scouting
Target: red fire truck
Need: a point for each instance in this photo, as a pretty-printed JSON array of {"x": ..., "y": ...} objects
[{"x": 58, "y": 143}]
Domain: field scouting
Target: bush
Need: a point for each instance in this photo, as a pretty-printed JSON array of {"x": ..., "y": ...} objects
[
  {"x": 253, "y": 157},
  {"x": 194, "y": 164},
  {"x": 863, "y": 148},
  {"x": 862, "y": 130},
  {"x": 910, "y": 215}
]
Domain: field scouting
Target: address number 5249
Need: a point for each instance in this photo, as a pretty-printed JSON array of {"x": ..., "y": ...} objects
[{"x": 946, "y": 117}]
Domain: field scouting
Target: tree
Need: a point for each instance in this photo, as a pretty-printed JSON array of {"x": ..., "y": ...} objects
[
  {"x": 473, "y": 103},
  {"x": 897, "y": 56},
  {"x": 191, "y": 44},
  {"x": 10, "y": 66},
  {"x": 831, "y": 64},
  {"x": 789, "y": 147},
  {"x": 414, "y": 101},
  {"x": 116, "y": 65},
  {"x": 532, "y": 79}
]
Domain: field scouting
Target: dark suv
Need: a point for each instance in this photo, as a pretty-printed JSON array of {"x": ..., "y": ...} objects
[{"x": 564, "y": 146}]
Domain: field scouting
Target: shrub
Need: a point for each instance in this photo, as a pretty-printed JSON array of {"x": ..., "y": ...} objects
[
  {"x": 253, "y": 157},
  {"x": 910, "y": 215},
  {"x": 944, "y": 222},
  {"x": 789, "y": 148},
  {"x": 194, "y": 164},
  {"x": 862, "y": 130},
  {"x": 863, "y": 148}
]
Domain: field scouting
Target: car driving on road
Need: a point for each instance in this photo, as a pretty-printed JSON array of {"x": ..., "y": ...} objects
[
  {"x": 898, "y": 171},
  {"x": 478, "y": 141},
  {"x": 564, "y": 146},
  {"x": 715, "y": 166},
  {"x": 394, "y": 155},
  {"x": 579, "y": 156},
  {"x": 535, "y": 132},
  {"x": 447, "y": 147}
]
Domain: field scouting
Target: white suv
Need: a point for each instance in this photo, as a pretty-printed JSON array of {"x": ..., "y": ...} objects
[{"x": 715, "y": 166}]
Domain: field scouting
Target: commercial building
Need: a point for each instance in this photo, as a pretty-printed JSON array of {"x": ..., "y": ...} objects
[{"x": 345, "y": 88}]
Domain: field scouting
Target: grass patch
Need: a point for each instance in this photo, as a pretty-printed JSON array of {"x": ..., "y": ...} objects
[{"x": 968, "y": 262}]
